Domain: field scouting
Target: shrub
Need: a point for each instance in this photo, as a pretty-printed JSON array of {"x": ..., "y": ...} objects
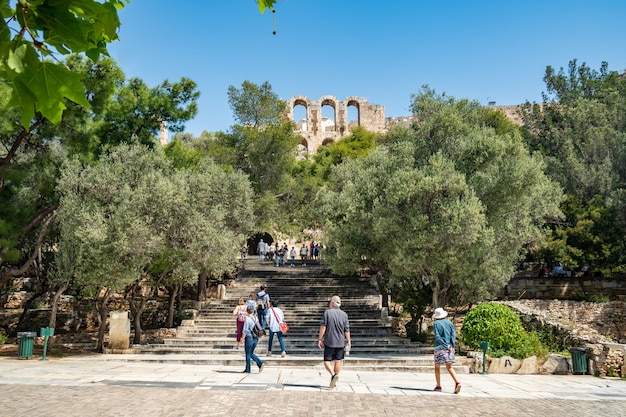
[
  {"x": 502, "y": 328},
  {"x": 553, "y": 339},
  {"x": 3, "y": 338},
  {"x": 57, "y": 352}
]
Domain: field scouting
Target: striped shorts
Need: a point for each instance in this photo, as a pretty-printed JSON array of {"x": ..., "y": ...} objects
[{"x": 444, "y": 355}]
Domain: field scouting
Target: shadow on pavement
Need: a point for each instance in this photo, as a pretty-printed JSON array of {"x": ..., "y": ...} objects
[{"x": 413, "y": 389}]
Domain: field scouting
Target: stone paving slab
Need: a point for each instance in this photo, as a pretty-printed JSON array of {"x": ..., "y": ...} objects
[{"x": 91, "y": 386}]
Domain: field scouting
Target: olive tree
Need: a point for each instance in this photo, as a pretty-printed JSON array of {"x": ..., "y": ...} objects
[
  {"x": 449, "y": 202},
  {"x": 137, "y": 224}
]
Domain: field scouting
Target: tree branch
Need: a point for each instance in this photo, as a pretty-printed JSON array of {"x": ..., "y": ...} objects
[
  {"x": 40, "y": 217},
  {"x": 15, "y": 272},
  {"x": 6, "y": 161}
]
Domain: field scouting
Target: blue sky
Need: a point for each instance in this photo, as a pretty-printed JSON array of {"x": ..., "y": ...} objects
[{"x": 383, "y": 51}]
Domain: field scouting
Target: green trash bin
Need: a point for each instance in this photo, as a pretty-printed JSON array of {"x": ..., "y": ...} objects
[
  {"x": 579, "y": 360},
  {"x": 25, "y": 343}
]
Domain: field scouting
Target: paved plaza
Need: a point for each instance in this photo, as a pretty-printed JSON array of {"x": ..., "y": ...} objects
[{"x": 109, "y": 385}]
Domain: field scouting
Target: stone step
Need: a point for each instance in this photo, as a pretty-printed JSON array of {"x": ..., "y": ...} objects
[
  {"x": 400, "y": 363},
  {"x": 292, "y": 336},
  {"x": 375, "y": 345},
  {"x": 300, "y": 349},
  {"x": 372, "y": 341},
  {"x": 224, "y": 350},
  {"x": 303, "y": 294},
  {"x": 295, "y": 335},
  {"x": 297, "y": 305},
  {"x": 302, "y": 321},
  {"x": 300, "y": 326}
]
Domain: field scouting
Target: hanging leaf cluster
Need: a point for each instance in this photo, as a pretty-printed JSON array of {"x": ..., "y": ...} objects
[{"x": 33, "y": 36}]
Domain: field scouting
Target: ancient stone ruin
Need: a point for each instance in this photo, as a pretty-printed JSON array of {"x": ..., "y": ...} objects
[{"x": 317, "y": 130}]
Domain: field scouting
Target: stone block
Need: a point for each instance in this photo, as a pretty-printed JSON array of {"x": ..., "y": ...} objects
[
  {"x": 504, "y": 365},
  {"x": 221, "y": 292},
  {"x": 555, "y": 365},
  {"x": 530, "y": 366},
  {"x": 119, "y": 330}
]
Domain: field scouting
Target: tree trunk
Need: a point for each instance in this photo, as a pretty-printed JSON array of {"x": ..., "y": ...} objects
[
  {"x": 440, "y": 292},
  {"x": 202, "y": 287},
  {"x": 27, "y": 306},
  {"x": 137, "y": 302},
  {"x": 171, "y": 304},
  {"x": 55, "y": 305},
  {"x": 103, "y": 310},
  {"x": 137, "y": 320}
]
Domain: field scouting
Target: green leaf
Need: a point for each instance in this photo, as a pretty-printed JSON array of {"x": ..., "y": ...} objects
[
  {"x": 49, "y": 84},
  {"x": 79, "y": 26},
  {"x": 5, "y": 37},
  {"x": 18, "y": 58},
  {"x": 265, "y": 4},
  {"x": 67, "y": 26},
  {"x": 5, "y": 10},
  {"x": 22, "y": 96}
]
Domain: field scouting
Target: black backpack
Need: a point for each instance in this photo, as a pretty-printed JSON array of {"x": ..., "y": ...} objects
[{"x": 257, "y": 330}]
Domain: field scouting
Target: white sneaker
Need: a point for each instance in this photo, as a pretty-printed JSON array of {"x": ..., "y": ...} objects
[
  {"x": 269, "y": 353},
  {"x": 283, "y": 354}
]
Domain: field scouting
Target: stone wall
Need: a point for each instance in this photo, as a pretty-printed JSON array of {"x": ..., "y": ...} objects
[
  {"x": 317, "y": 130},
  {"x": 73, "y": 315},
  {"x": 564, "y": 287},
  {"x": 598, "y": 327}
]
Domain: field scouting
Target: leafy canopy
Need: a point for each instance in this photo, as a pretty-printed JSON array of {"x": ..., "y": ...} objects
[
  {"x": 581, "y": 133},
  {"x": 133, "y": 215},
  {"x": 33, "y": 33},
  {"x": 450, "y": 202}
]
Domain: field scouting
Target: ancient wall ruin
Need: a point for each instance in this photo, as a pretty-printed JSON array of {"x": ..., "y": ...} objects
[
  {"x": 317, "y": 130},
  {"x": 563, "y": 287}
]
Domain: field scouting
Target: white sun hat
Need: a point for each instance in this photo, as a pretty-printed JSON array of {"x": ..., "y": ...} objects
[{"x": 439, "y": 313}]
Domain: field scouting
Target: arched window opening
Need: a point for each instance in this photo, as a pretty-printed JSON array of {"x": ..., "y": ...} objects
[
  {"x": 328, "y": 116},
  {"x": 299, "y": 116},
  {"x": 354, "y": 115}
]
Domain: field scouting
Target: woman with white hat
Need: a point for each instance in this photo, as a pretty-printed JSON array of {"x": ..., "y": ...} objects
[{"x": 445, "y": 337}]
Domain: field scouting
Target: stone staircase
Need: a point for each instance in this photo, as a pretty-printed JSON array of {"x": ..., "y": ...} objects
[{"x": 303, "y": 293}]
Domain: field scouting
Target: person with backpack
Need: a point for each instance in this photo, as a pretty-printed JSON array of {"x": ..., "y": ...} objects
[
  {"x": 251, "y": 341},
  {"x": 262, "y": 299},
  {"x": 240, "y": 312}
]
